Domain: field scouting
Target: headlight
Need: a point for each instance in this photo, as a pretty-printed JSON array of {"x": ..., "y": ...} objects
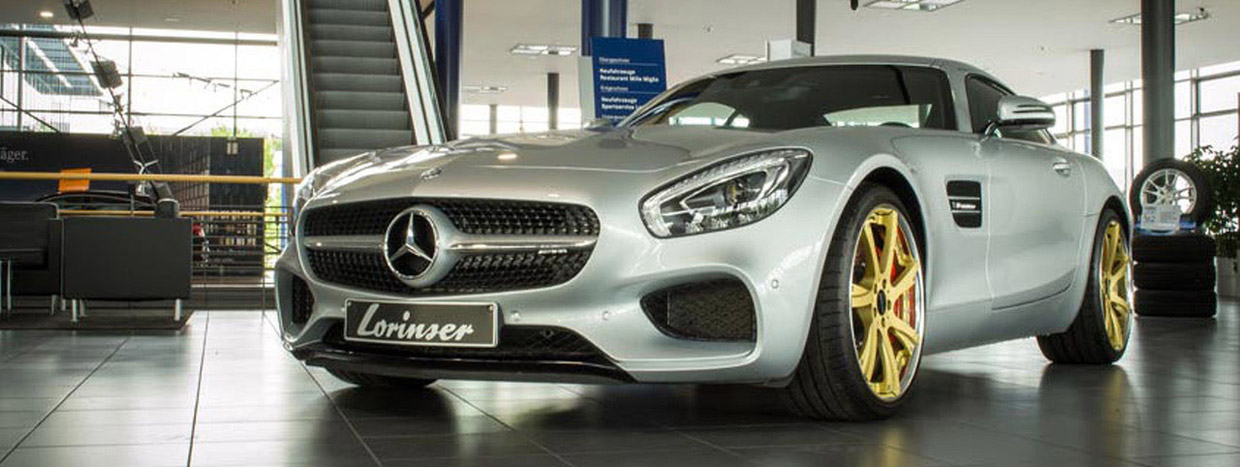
[{"x": 736, "y": 192}]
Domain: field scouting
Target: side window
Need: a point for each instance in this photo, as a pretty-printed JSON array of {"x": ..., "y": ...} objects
[
  {"x": 914, "y": 98},
  {"x": 707, "y": 114},
  {"x": 984, "y": 108}
]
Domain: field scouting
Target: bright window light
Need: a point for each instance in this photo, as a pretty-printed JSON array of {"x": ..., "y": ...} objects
[
  {"x": 483, "y": 89},
  {"x": 542, "y": 49},
  {"x": 1180, "y": 18},
  {"x": 913, "y": 5},
  {"x": 741, "y": 59}
]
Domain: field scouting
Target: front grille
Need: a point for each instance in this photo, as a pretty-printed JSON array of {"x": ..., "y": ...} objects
[
  {"x": 516, "y": 343},
  {"x": 473, "y": 274},
  {"x": 302, "y": 301},
  {"x": 719, "y": 310},
  {"x": 471, "y": 216}
]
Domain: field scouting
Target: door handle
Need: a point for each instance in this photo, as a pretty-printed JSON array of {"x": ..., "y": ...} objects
[{"x": 1061, "y": 166}]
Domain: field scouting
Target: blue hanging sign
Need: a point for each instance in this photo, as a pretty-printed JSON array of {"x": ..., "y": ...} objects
[{"x": 627, "y": 74}]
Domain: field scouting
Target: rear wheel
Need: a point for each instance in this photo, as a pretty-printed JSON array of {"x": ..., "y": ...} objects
[
  {"x": 368, "y": 380},
  {"x": 1099, "y": 335},
  {"x": 865, "y": 337}
]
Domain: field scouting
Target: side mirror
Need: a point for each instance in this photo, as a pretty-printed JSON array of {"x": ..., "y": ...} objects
[{"x": 1021, "y": 113}]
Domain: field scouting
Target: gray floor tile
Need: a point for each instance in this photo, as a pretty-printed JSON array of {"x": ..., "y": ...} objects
[
  {"x": 679, "y": 458},
  {"x": 273, "y": 431},
  {"x": 153, "y": 455},
  {"x": 342, "y": 452},
  {"x": 470, "y": 445},
  {"x": 835, "y": 455},
  {"x": 61, "y": 434}
]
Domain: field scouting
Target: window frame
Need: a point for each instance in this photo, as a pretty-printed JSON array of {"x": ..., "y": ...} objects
[{"x": 951, "y": 120}]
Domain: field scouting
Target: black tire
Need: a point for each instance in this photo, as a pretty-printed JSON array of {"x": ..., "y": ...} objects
[
  {"x": 827, "y": 383},
  {"x": 1174, "y": 276},
  {"x": 1177, "y": 303},
  {"x": 373, "y": 381},
  {"x": 1180, "y": 248},
  {"x": 1203, "y": 208},
  {"x": 1085, "y": 341}
]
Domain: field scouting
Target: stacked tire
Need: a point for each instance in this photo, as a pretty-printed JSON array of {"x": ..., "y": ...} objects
[{"x": 1174, "y": 275}]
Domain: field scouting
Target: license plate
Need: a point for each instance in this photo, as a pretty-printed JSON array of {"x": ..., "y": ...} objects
[{"x": 425, "y": 324}]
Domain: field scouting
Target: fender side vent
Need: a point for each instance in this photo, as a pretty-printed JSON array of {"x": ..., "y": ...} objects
[{"x": 965, "y": 201}]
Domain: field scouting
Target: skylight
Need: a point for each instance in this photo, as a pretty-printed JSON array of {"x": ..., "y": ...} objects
[
  {"x": 741, "y": 59},
  {"x": 542, "y": 49},
  {"x": 914, "y": 5},
  {"x": 483, "y": 89}
]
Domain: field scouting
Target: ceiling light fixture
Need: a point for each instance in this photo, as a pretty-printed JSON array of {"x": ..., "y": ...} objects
[
  {"x": 912, "y": 5},
  {"x": 476, "y": 89},
  {"x": 542, "y": 49},
  {"x": 45, "y": 14},
  {"x": 741, "y": 59},
  {"x": 1180, "y": 18}
]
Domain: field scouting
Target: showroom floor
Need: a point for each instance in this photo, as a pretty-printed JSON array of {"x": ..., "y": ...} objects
[{"x": 225, "y": 393}]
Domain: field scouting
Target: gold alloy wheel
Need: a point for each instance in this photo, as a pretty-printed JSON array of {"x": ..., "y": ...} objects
[
  {"x": 886, "y": 302},
  {"x": 1114, "y": 286}
]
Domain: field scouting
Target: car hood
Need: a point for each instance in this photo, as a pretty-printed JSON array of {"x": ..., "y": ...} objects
[{"x": 621, "y": 152}]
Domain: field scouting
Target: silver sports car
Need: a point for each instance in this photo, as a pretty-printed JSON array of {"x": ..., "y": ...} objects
[{"x": 816, "y": 225}]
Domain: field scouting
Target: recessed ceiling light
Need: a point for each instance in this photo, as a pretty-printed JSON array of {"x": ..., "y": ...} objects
[
  {"x": 476, "y": 89},
  {"x": 542, "y": 49},
  {"x": 1180, "y": 18},
  {"x": 507, "y": 156},
  {"x": 912, "y": 5},
  {"x": 45, "y": 14},
  {"x": 741, "y": 59}
]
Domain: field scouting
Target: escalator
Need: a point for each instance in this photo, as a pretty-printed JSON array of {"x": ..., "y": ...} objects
[{"x": 364, "y": 77}]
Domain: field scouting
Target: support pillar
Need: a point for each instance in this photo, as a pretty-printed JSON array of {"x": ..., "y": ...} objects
[
  {"x": 494, "y": 115},
  {"x": 807, "y": 11},
  {"x": 449, "y": 24},
  {"x": 553, "y": 101},
  {"x": 645, "y": 31},
  {"x": 602, "y": 18},
  {"x": 1097, "y": 97},
  {"x": 1158, "y": 78}
]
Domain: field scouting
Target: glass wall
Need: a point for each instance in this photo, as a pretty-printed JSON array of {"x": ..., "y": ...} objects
[
  {"x": 475, "y": 119},
  {"x": 1206, "y": 102},
  {"x": 184, "y": 82}
]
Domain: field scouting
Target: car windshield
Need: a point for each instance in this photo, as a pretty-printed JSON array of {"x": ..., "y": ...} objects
[{"x": 819, "y": 96}]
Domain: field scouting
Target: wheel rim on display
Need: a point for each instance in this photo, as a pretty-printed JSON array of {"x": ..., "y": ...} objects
[
  {"x": 1114, "y": 280},
  {"x": 1167, "y": 187},
  {"x": 887, "y": 303}
]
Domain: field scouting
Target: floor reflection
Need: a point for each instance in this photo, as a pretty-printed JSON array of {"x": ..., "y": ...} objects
[{"x": 225, "y": 393}]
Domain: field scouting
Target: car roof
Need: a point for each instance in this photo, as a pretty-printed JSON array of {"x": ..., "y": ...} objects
[{"x": 933, "y": 62}]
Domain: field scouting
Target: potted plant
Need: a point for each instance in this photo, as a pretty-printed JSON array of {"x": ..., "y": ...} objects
[{"x": 1222, "y": 171}]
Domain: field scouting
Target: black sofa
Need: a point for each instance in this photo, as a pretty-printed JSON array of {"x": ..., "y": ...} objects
[{"x": 30, "y": 239}]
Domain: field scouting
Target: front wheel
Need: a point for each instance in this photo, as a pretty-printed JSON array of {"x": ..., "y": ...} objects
[
  {"x": 868, "y": 323},
  {"x": 1100, "y": 333}
]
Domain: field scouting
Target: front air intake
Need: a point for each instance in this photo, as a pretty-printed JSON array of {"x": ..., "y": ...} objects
[
  {"x": 714, "y": 310},
  {"x": 302, "y": 301}
]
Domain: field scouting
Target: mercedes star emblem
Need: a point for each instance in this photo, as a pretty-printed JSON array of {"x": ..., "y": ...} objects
[{"x": 410, "y": 247}]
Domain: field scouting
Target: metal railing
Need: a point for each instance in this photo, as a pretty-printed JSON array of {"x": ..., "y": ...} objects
[{"x": 234, "y": 246}]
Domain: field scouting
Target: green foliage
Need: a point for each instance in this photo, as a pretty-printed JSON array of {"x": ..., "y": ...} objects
[{"x": 1222, "y": 171}]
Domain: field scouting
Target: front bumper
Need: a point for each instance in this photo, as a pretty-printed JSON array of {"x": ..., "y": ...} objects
[{"x": 777, "y": 259}]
